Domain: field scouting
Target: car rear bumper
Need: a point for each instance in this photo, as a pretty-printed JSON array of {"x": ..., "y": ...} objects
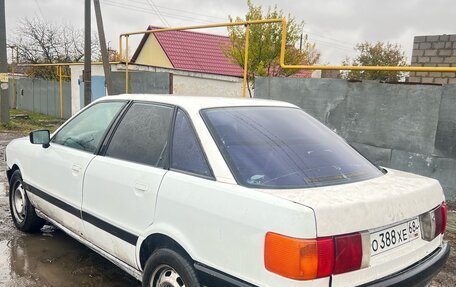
[{"x": 418, "y": 274}]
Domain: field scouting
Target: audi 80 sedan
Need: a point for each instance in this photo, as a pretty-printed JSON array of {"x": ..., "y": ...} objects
[{"x": 198, "y": 191}]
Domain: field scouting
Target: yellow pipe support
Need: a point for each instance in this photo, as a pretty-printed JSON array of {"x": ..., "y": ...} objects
[
  {"x": 246, "y": 59},
  {"x": 282, "y": 51},
  {"x": 352, "y": 68},
  {"x": 13, "y": 76},
  {"x": 229, "y": 24},
  {"x": 61, "y": 91},
  {"x": 120, "y": 48},
  {"x": 13, "y": 82},
  {"x": 372, "y": 68},
  {"x": 61, "y": 64},
  {"x": 126, "y": 64}
]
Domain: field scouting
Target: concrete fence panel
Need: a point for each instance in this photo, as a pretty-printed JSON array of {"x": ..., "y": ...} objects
[
  {"x": 142, "y": 82},
  {"x": 42, "y": 96}
]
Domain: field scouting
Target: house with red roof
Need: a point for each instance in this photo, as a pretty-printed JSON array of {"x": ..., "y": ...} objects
[
  {"x": 187, "y": 51},
  {"x": 190, "y": 51},
  {"x": 193, "y": 62}
]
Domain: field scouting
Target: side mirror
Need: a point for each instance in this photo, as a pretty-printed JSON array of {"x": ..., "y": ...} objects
[{"x": 42, "y": 137}]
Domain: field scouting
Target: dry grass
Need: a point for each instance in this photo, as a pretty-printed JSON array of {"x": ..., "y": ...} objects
[{"x": 23, "y": 122}]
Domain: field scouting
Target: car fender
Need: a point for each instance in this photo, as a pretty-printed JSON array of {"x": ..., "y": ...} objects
[{"x": 168, "y": 230}]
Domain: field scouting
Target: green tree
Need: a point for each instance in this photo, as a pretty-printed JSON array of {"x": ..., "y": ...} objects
[
  {"x": 264, "y": 45},
  {"x": 376, "y": 54}
]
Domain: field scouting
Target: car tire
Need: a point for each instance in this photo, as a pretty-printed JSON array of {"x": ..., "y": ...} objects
[
  {"x": 22, "y": 211},
  {"x": 166, "y": 267}
]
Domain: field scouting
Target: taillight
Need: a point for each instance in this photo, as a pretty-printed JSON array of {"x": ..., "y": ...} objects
[
  {"x": 433, "y": 223},
  {"x": 306, "y": 259},
  {"x": 440, "y": 219},
  {"x": 349, "y": 253},
  {"x": 299, "y": 259}
]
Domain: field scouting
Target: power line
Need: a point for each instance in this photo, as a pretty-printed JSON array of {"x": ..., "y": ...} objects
[
  {"x": 337, "y": 43},
  {"x": 152, "y": 4},
  {"x": 330, "y": 42},
  {"x": 39, "y": 9},
  {"x": 334, "y": 45},
  {"x": 342, "y": 43},
  {"x": 184, "y": 11},
  {"x": 148, "y": 11}
]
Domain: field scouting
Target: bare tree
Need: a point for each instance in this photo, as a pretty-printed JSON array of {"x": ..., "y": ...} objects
[{"x": 41, "y": 42}]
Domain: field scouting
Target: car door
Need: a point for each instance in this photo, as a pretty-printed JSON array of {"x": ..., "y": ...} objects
[
  {"x": 56, "y": 172},
  {"x": 121, "y": 185}
]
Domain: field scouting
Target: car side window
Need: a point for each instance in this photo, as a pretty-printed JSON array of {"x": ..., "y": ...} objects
[
  {"x": 187, "y": 154},
  {"x": 142, "y": 135},
  {"x": 85, "y": 131}
]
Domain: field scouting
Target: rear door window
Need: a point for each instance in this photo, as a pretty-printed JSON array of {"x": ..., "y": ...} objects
[
  {"x": 187, "y": 154},
  {"x": 142, "y": 135}
]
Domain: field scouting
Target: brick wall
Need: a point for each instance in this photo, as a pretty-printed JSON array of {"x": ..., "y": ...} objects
[{"x": 434, "y": 51}]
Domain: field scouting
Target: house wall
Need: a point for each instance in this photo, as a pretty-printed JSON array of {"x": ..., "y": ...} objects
[
  {"x": 152, "y": 54},
  {"x": 76, "y": 74},
  {"x": 196, "y": 83},
  {"x": 142, "y": 82},
  {"x": 434, "y": 51},
  {"x": 182, "y": 82},
  {"x": 194, "y": 86},
  {"x": 406, "y": 127}
]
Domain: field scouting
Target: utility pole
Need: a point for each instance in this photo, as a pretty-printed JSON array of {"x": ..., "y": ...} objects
[
  {"x": 4, "y": 96},
  {"x": 104, "y": 51},
  {"x": 87, "y": 55}
]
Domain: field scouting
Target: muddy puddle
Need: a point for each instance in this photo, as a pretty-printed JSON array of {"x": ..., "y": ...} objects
[{"x": 54, "y": 259}]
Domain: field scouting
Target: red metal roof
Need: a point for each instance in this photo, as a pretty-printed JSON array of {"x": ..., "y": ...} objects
[{"x": 193, "y": 51}]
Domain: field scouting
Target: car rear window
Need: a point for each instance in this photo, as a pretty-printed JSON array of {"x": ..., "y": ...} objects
[{"x": 283, "y": 147}]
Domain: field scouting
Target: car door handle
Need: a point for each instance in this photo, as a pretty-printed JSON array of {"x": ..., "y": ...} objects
[{"x": 141, "y": 186}]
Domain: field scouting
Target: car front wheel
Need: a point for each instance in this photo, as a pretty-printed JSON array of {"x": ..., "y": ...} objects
[
  {"x": 22, "y": 211},
  {"x": 167, "y": 268}
]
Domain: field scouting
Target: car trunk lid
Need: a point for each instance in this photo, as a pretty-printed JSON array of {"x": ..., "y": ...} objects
[{"x": 385, "y": 200}]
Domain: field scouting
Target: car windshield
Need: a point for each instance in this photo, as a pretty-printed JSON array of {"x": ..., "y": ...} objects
[{"x": 283, "y": 147}]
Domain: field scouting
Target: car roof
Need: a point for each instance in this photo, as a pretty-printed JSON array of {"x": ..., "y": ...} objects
[{"x": 196, "y": 103}]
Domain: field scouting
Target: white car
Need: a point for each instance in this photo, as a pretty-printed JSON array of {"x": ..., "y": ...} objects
[{"x": 194, "y": 191}]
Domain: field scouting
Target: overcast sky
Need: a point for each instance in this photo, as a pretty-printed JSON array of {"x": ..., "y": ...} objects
[{"x": 334, "y": 25}]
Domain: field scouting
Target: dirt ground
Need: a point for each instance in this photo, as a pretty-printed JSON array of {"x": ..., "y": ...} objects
[{"x": 51, "y": 258}]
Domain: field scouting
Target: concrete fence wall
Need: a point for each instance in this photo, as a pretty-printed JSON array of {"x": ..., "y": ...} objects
[
  {"x": 406, "y": 127},
  {"x": 142, "y": 82},
  {"x": 42, "y": 96}
]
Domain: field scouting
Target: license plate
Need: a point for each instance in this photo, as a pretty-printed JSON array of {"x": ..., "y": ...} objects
[{"x": 392, "y": 237}]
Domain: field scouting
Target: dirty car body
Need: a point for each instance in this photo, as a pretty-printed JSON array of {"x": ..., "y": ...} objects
[{"x": 227, "y": 192}]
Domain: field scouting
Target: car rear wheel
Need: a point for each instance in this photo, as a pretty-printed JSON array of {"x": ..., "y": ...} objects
[
  {"x": 167, "y": 268},
  {"x": 22, "y": 211}
]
